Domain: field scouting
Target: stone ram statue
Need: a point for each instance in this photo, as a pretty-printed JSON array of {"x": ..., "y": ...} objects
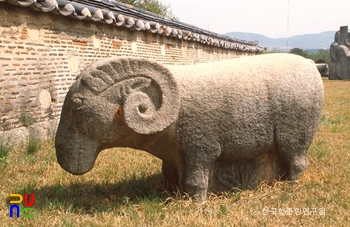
[{"x": 215, "y": 126}]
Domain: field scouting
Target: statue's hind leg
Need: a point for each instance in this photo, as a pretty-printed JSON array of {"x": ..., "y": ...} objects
[
  {"x": 292, "y": 150},
  {"x": 297, "y": 166}
]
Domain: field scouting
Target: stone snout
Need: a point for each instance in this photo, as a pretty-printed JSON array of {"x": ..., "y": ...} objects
[{"x": 77, "y": 158}]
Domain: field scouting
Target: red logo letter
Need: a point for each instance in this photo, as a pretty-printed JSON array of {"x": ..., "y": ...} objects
[{"x": 26, "y": 200}]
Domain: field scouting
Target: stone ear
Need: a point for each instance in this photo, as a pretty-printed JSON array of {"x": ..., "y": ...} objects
[
  {"x": 118, "y": 114},
  {"x": 148, "y": 92},
  {"x": 154, "y": 101}
]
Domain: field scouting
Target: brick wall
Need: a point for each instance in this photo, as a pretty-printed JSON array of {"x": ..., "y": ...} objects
[{"x": 42, "y": 53}]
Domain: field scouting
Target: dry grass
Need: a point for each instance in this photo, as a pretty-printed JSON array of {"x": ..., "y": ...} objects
[{"x": 125, "y": 186}]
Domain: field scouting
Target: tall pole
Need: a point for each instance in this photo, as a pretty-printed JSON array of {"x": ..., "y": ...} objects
[{"x": 288, "y": 27}]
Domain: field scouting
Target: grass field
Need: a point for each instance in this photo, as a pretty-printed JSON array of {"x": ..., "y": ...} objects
[{"x": 125, "y": 188}]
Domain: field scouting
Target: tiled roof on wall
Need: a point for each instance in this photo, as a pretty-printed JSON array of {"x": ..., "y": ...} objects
[{"x": 120, "y": 14}]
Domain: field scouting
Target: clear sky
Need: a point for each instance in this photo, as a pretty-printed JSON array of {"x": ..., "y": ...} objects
[{"x": 265, "y": 17}]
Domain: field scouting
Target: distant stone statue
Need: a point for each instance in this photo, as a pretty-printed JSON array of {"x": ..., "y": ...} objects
[
  {"x": 322, "y": 69},
  {"x": 339, "y": 68}
]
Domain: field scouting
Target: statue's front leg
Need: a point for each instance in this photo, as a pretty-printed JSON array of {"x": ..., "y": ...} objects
[
  {"x": 195, "y": 180},
  {"x": 197, "y": 165}
]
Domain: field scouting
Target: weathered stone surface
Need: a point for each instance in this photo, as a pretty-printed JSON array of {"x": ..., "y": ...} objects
[
  {"x": 44, "y": 99},
  {"x": 40, "y": 131},
  {"x": 216, "y": 126}
]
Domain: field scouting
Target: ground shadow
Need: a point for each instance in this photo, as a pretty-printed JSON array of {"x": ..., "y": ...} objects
[{"x": 92, "y": 197}]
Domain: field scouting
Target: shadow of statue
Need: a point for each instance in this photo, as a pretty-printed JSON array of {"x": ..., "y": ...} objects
[{"x": 91, "y": 197}]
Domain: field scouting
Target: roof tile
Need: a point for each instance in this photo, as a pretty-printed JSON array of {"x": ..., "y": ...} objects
[{"x": 120, "y": 14}]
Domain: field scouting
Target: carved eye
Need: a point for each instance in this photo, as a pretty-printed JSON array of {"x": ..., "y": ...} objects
[
  {"x": 77, "y": 102},
  {"x": 143, "y": 108}
]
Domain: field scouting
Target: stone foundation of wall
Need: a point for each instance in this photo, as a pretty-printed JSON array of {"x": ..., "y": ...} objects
[{"x": 41, "y": 131}]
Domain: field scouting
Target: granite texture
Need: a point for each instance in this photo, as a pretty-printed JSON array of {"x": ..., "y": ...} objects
[{"x": 215, "y": 126}]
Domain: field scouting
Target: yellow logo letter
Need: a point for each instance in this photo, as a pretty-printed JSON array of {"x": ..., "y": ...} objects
[{"x": 16, "y": 195}]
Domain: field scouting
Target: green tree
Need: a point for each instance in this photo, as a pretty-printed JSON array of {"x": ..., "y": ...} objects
[
  {"x": 299, "y": 51},
  {"x": 273, "y": 50},
  {"x": 153, "y": 6},
  {"x": 321, "y": 56}
]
